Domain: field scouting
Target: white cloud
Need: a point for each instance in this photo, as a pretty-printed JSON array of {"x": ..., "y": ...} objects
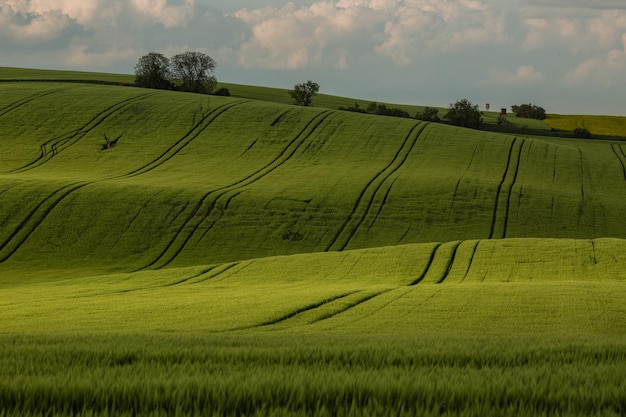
[
  {"x": 322, "y": 33},
  {"x": 24, "y": 27},
  {"x": 606, "y": 71},
  {"x": 160, "y": 11},
  {"x": 526, "y": 74}
]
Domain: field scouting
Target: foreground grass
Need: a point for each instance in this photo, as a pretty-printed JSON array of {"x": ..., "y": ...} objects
[{"x": 313, "y": 375}]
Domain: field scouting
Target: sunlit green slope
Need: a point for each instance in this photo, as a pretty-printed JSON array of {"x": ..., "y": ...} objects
[
  {"x": 522, "y": 287},
  {"x": 201, "y": 180}
]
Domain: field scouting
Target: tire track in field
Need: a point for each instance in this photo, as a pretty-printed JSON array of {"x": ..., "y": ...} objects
[
  {"x": 451, "y": 260},
  {"x": 381, "y": 205},
  {"x": 206, "y": 205},
  {"x": 499, "y": 222},
  {"x": 299, "y": 311},
  {"x": 582, "y": 174},
  {"x": 219, "y": 209},
  {"x": 53, "y": 147},
  {"x": 458, "y": 184},
  {"x": 350, "y": 305},
  {"x": 19, "y": 103},
  {"x": 365, "y": 200},
  {"x": 620, "y": 158},
  {"x": 184, "y": 141},
  {"x": 34, "y": 219},
  {"x": 443, "y": 256},
  {"x": 421, "y": 277},
  {"x": 471, "y": 260}
]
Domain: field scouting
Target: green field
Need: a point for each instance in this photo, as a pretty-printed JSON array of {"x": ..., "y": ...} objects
[
  {"x": 243, "y": 256},
  {"x": 597, "y": 125}
]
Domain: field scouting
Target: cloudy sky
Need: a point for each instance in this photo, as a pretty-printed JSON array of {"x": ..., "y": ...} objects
[{"x": 568, "y": 56}]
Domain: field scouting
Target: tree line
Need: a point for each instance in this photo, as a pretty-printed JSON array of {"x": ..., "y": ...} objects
[{"x": 188, "y": 71}]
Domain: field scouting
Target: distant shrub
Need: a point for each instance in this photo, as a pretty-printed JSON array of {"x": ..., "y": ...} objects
[
  {"x": 383, "y": 110},
  {"x": 464, "y": 113},
  {"x": 356, "y": 108},
  {"x": 430, "y": 114},
  {"x": 222, "y": 92},
  {"x": 303, "y": 93},
  {"x": 581, "y": 132},
  {"x": 529, "y": 111}
]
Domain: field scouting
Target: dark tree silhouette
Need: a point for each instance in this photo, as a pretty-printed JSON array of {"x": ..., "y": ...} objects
[
  {"x": 152, "y": 71},
  {"x": 195, "y": 70},
  {"x": 303, "y": 93}
]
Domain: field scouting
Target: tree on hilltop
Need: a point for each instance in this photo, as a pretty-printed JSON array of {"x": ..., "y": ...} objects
[
  {"x": 529, "y": 111},
  {"x": 152, "y": 71},
  {"x": 303, "y": 93},
  {"x": 195, "y": 70},
  {"x": 464, "y": 113}
]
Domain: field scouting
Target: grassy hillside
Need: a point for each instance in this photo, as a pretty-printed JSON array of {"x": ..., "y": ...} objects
[
  {"x": 212, "y": 179},
  {"x": 315, "y": 261}
]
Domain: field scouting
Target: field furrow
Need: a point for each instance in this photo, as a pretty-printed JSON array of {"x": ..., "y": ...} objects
[
  {"x": 205, "y": 208},
  {"x": 53, "y": 147},
  {"x": 620, "y": 157},
  {"x": 346, "y": 305},
  {"x": 19, "y": 103},
  {"x": 500, "y": 217},
  {"x": 364, "y": 202},
  {"x": 428, "y": 265},
  {"x": 302, "y": 310},
  {"x": 34, "y": 218},
  {"x": 184, "y": 141}
]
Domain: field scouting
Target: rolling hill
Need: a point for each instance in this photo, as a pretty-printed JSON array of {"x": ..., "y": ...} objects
[
  {"x": 218, "y": 183},
  {"x": 164, "y": 253}
]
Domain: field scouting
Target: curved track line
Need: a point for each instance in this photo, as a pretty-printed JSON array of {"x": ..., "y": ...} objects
[
  {"x": 508, "y": 171},
  {"x": 382, "y": 205},
  {"x": 458, "y": 184},
  {"x": 451, "y": 259},
  {"x": 61, "y": 143},
  {"x": 347, "y": 307},
  {"x": 19, "y": 103},
  {"x": 354, "y": 220},
  {"x": 300, "y": 310},
  {"x": 206, "y": 205},
  {"x": 34, "y": 218},
  {"x": 183, "y": 142},
  {"x": 471, "y": 260},
  {"x": 621, "y": 161},
  {"x": 427, "y": 267}
]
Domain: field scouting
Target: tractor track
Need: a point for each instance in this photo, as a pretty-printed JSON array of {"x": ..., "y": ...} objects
[
  {"x": 183, "y": 142},
  {"x": 299, "y": 311},
  {"x": 620, "y": 158},
  {"x": 367, "y": 196},
  {"x": 421, "y": 277},
  {"x": 19, "y": 103},
  {"x": 349, "y": 306},
  {"x": 471, "y": 260},
  {"x": 34, "y": 219},
  {"x": 458, "y": 184},
  {"x": 451, "y": 259},
  {"x": 63, "y": 142},
  {"x": 206, "y": 205},
  {"x": 511, "y": 170}
]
